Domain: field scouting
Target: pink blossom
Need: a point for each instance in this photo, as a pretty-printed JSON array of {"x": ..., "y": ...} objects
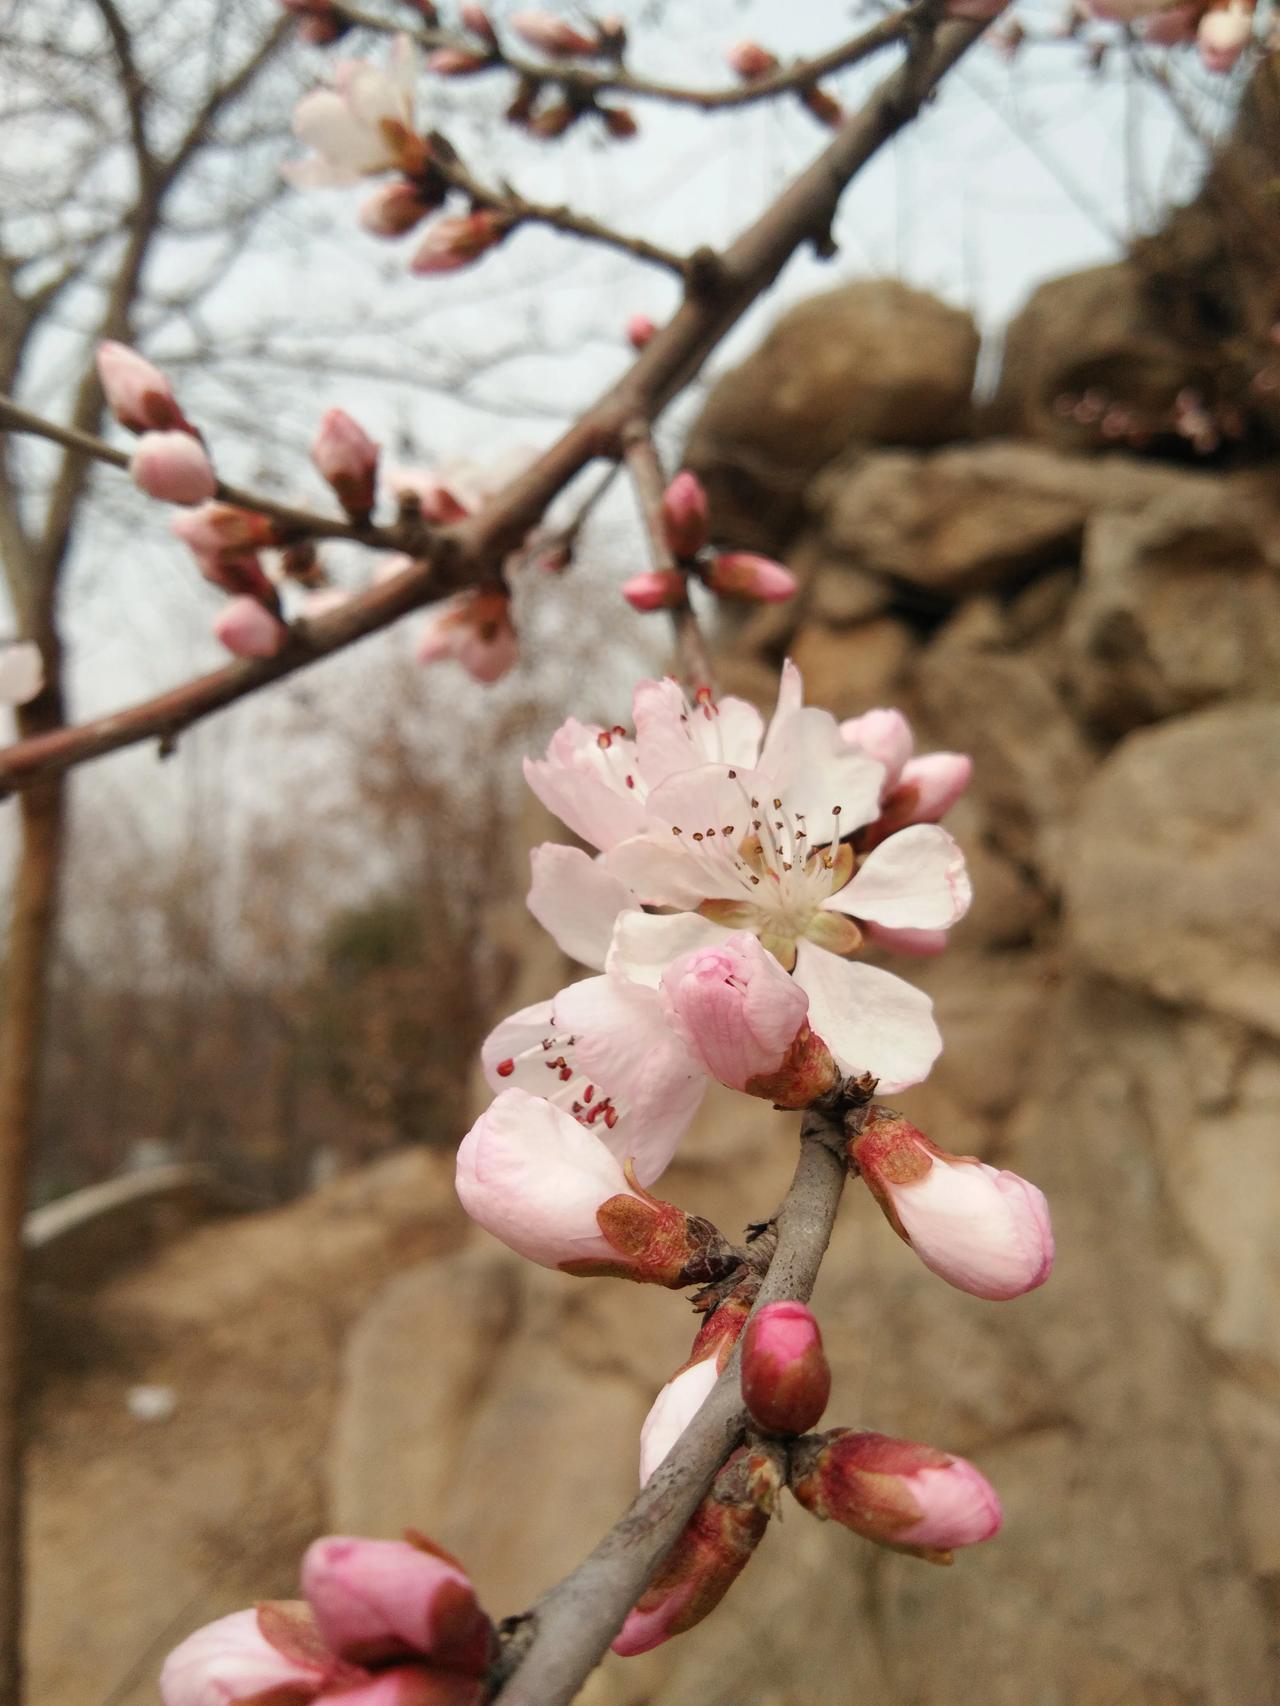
[
  {"x": 361, "y": 126},
  {"x": 551, "y": 35},
  {"x": 915, "y": 790},
  {"x": 21, "y": 672},
  {"x": 173, "y": 466},
  {"x": 640, "y": 329},
  {"x": 234, "y": 1660},
  {"x": 602, "y": 1052},
  {"x": 348, "y": 458},
  {"x": 474, "y": 629},
  {"x": 138, "y": 394},
  {"x": 1223, "y": 35},
  {"x": 893, "y": 1491},
  {"x": 248, "y": 629},
  {"x": 378, "y": 1600},
  {"x": 458, "y": 240},
  {"x": 746, "y": 1021},
  {"x": 214, "y": 527},
  {"x": 786, "y": 1379},
  {"x": 983, "y": 1231},
  {"x": 393, "y": 208},
  {"x": 685, "y": 517},
  {"x": 655, "y": 589},
  {"x": 743, "y": 574},
  {"x": 749, "y": 60}
]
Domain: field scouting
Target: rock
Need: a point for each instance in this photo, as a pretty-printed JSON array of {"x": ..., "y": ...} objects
[
  {"x": 1179, "y": 606},
  {"x": 974, "y": 516},
  {"x": 1173, "y": 884},
  {"x": 852, "y": 669},
  {"x": 873, "y": 362}
]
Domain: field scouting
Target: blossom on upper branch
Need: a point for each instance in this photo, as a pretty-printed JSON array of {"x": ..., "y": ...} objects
[
  {"x": 361, "y": 126},
  {"x": 718, "y": 826}
]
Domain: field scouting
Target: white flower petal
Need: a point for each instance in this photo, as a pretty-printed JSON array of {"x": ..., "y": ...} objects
[
  {"x": 511, "y": 1038},
  {"x": 672, "y": 735},
  {"x": 645, "y": 943},
  {"x": 814, "y": 769},
  {"x": 869, "y": 1019},
  {"x": 915, "y": 880},
  {"x": 21, "y": 672},
  {"x": 583, "y": 780},
  {"x": 576, "y": 901},
  {"x": 673, "y": 1409}
]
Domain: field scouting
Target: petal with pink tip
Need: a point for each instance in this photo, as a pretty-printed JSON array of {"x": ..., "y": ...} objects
[
  {"x": 577, "y": 901},
  {"x": 672, "y": 735}
]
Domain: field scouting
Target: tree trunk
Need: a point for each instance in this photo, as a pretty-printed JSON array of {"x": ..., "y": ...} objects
[{"x": 22, "y": 1024}]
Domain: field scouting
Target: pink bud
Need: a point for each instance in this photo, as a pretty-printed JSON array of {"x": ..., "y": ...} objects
[
  {"x": 619, "y": 122},
  {"x": 741, "y": 574},
  {"x": 319, "y": 21},
  {"x": 551, "y": 35},
  {"x": 1223, "y": 36},
  {"x": 936, "y": 781},
  {"x": 746, "y": 1020},
  {"x": 235, "y": 1660},
  {"x": 457, "y": 241},
  {"x": 655, "y": 589},
  {"x": 248, "y": 629},
  {"x": 893, "y": 1491},
  {"x": 474, "y": 629},
  {"x": 640, "y": 329},
  {"x": 684, "y": 515},
  {"x": 749, "y": 60},
  {"x": 455, "y": 62},
  {"x": 786, "y": 1379},
  {"x": 222, "y": 527},
  {"x": 348, "y": 458},
  {"x": 983, "y": 1231},
  {"x": 825, "y": 108},
  {"x": 138, "y": 394},
  {"x": 545, "y": 1184},
  {"x": 711, "y": 1553},
  {"x": 407, "y": 1685},
  {"x": 394, "y": 208},
  {"x": 884, "y": 735},
  {"x": 173, "y": 466},
  {"x": 378, "y": 1600},
  {"x": 478, "y": 21}
]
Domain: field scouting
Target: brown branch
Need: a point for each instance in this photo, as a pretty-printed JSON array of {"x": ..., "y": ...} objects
[
  {"x": 568, "y": 1631},
  {"x": 650, "y": 483},
  {"x": 473, "y": 549},
  {"x": 582, "y": 84}
]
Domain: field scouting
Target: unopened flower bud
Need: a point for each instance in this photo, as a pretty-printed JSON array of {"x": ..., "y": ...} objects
[
  {"x": 380, "y": 1600},
  {"x": 457, "y": 241},
  {"x": 884, "y": 735},
  {"x": 21, "y": 672},
  {"x": 824, "y": 107},
  {"x": 685, "y": 516},
  {"x": 348, "y": 458},
  {"x": 786, "y": 1379},
  {"x": 248, "y": 629},
  {"x": 619, "y": 122},
  {"x": 749, "y": 60},
  {"x": 428, "y": 11},
  {"x": 746, "y": 1020},
  {"x": 655, "y": 589},
  {"x": 138, "y": 394},
  {"x": 685, "y": 1393},
  {"x": 895, "y": 1492},
  {"x": 394, "y": 208},
  {"x": 711, "y": 1553},
  {"x": 551, "y": 35},
  {"x": 455, "y": 62},
  {"x": 545, "y": 1184},
  {"x": 743, "y": 574},
  {"x": 475, "y": 630},
  {"x": 1223, "y": 35},
  {"x": 223, "y": 527},
  {"x": 272, "y": 1653},
  {"x": 478, "y": 21},
  {"x": 173, "y": 466},
  {"x": 319, "y": 22},
  {"x": 554, "y": 121},
  {"x": 984, "y": 1231},
  {"x": 640, "y": 328}
]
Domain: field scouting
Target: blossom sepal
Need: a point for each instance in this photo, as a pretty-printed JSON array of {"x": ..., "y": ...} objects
[
  {"x": 909, "y": 1497},
  {"x": 711, "y": 1553},
  {"x": 657, "y": 1243},
  {"x": 807, "y": 1073}
]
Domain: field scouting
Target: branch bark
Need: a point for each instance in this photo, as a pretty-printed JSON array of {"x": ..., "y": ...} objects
[
  {"x": 472, "y": 550},
  {"x": 569, "y": 1630}
]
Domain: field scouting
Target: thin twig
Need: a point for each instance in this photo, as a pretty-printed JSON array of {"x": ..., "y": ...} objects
[
  {"x": 568, "y": 1630},
  {"x": 471, "y": 550},
  {"x": 649, "y": 481}
]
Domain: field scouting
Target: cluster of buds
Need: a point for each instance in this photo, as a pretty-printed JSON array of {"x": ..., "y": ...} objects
[
  {"x": 383, "y": 1623},
  {"x": 170, "y": 461},
  {"x": 753, "y": 63},
  {"x": 686, "y": 526}
]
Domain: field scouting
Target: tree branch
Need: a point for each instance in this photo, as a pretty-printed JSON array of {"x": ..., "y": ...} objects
[
  {"x": 566, "y": 1634},
  {"x": 472, "y": 550}
]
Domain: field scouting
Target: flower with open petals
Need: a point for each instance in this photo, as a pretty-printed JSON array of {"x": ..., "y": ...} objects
[
  {"x": 719, "y": 826},
  {"x": 361, "y": 126}
]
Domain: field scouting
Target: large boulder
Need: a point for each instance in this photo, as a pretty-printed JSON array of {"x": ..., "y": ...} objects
[
  {"x": 1173, "y": 883},
  {"x": 870, "y": 363}
]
